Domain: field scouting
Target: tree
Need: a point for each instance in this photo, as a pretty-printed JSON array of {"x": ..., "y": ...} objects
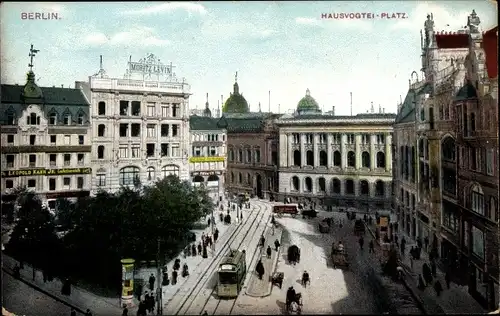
[{"x": 65, "y": 212}]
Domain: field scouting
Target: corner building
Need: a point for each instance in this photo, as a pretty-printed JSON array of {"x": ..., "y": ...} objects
[
  {"x": 140, "y": 128},
  {"x": 45, "y": 142},
  {"x": 336, "y": 160}
]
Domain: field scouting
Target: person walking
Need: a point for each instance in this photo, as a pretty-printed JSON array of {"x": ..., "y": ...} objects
[
  {"x": 73, "y": 312},
  {"x": 276, "y": 244},
  {"x": 260, "y": 269},
  {"x": 152, "y": 280},
  {"x": 125, "y": 310},
  {"x": 371, "y": 247},
  {"x": 268, "y": 252},
  {"x": 447, "y": 278}
]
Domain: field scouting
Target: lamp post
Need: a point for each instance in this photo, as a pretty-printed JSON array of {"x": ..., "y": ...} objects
[{"x": 158, "y": 279}]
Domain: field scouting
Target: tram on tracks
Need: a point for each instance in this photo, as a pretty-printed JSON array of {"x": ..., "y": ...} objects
[{"x": 231, "y": 274}]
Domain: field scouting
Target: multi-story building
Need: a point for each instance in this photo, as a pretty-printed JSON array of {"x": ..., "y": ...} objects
[
  {"x": 443, "y": 132},
  {"x": 207, "y": 161},
  {"x": 336, "y": 160},
  {"x": 45, "y": 141},
  {"x": 252, "y": 148},
  {"x": 140, "y": 128}
]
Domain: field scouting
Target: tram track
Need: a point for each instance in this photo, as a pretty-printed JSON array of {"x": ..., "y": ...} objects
[{"x": 201, "y": 287}]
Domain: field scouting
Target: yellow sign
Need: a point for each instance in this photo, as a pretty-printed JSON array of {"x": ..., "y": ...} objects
[
  {"x": 45, "y": 172},
  {"x": 127, "y": 278},
  {"x": 206, "y": 159}
]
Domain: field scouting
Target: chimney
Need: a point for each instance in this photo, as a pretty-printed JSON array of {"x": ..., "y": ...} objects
[
  {"x": 379, "y": 108},
  {"x": 62, "y": 86},
  {"x": 333, "y": 110}
]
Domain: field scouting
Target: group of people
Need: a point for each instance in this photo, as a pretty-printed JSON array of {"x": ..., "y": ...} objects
[{"x": 147, "y": 305}]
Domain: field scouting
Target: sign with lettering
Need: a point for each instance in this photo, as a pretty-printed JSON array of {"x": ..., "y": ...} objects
[
  {"x": 206, "y": 159},
  {"x": 206, "y": 173},
  {"x": 45, "y": 172},
  {"x": 149, "y": 66}
]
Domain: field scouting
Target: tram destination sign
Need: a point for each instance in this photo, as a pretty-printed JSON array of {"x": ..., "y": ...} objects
[{"x": 45, "y": 172}]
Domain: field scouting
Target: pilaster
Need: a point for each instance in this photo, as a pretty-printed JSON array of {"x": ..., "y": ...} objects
[
  {"x": 388, "y": 152},
  {"x": 357, "y": 141},
  {"x": 329, "y": 152},
  {"x": 316, "y": 150},
  {"x": 373, "y": 153},
  {"x": 343, "y": 153},
  {"x": 289, "y": 150},
  {"x": 302, "y": 151}
]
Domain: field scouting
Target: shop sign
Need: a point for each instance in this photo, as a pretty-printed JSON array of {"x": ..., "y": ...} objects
[
  {"x": 206, "y": 159},
  {"x": 45, "y": 172}
]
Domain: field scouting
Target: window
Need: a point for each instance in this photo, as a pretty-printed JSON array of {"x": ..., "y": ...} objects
[
  {"x": 32, "y": 162},
  {"x": 81, "y": 139},
  {"x": 101, "y": 180},
  {"x": 493, "y": 209},
  {"x": 80, "y": 119},
  {"x": 100, "y": 152},
  {"x": 350, "y": 138},
  {"x": 129, "y": 175},
  {"x": 164, "y": 150},
  {"x": 175, "y": 151},
  {"x": 490, "y": 158},
  {"x": 473, "y": 159},
  {"x": 472, "y": 122},
  {"x": 123, "y": 130},
  {"x": 478, "y": 242},
  {"x": 151, "y": 130},
  {"x": 257, "y": 155},
  {"x": 249, "y": 156},
  {"x": 32, "y": 140},
  {"x": 66, "y": 183},
  {"x": 381, "y": 139},
  {"x": 67, "y": 119},
  {"x": 151, "y": 109},
  {"x": 135, "y": 130},
  {"x": 101, "y": 130},
  {"x": 197, "y": 151},
  {"x": 123, "y": 108},
  {"x": 351, "y": 159},
  {"x": 175, "y": 130},
  {"x": 165, "y": 109},
  {"x": 151, "y": 173},
  {"x": 164, "y": 130},
  {"x": 123, "y": 152},
  {"x": 365, "y": 159},
  {"x": 136, "y": 152},
  {"x": 422, "y": 115},
  {"x": 150, "y": 150},
  {"x": 67, "y": 159},
  {"x": 9, "y": 184},
  {"x": 10, "y": 161},
  {"x": 296, "y": 138},
  {"x": 240, "y": 155},
  {"x": 10, "y": 139},
  {"x": 67, "y": 140},
  {"x": 337, "y": 158},
  {"x": 450, "y": 218},
  {"x": 337, "y": 138},
  {"x": 32, "y": 119},
  {"x": 81, "y": 159},
  {"x": 11, "y": 119},
  {"x": 365, "y": 139},
  {"x": 52, "y": 119},
  {"x": 53, "y": 139},
  {"x": 175, "y": 110},
  {"x": 322, "y": 138},
  {"x": 79, "y": 183},
  {"x": 101, "y": 108},
  {"x": 136, "y": 108},
  {"x": 477, "y": 200},
  {"x": 52, "y": 184},
  {"x": 53, "y": 160},
  {"x": 31, "y": 183},
  {"x": 170, "y": 170}
]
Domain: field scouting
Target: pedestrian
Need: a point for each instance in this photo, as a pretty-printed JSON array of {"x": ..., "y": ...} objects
[
  {"x": 210, "y": 241},
  {"x": 361, "y": 242},
  {"x": 433, "y": 268},
  {"x": 193, "y": 250},
  {"x": 146, "y": 301},
  {"x": 209, "y": 221},
  {"x": 268, "y": 251},
  {"x": 259, "y": 268},
  {"x": 185, "y": 270},
  {"x": 419, "y": 242},
  {"x": 73, "y": 312},
  {"x": 124, "y": 312},
  {"x": 396, "y": 238},
  {"x": 447, "y": 278},
  {"x": 426, "y": 243},
  {"x": 66, "y": 288},
  {"x": 152, "y": 280},
  {"x": 411, "y": 261},
  {"x": 174, "y": 277},
  {"x": 438, "y": 287},
  {"x": 216, "y": 235},
  {"x": 88, "y": 312},
  {"x": 241, "y": 217},
  {"x": 151, "y": 304},
  {"x": 200, "y": 248},
  {"x": 141, "y": 311},
  {"x": 421, "y": 284},
  {"x": 276, "y": 244},
  {"x": 371, "y": 247}
]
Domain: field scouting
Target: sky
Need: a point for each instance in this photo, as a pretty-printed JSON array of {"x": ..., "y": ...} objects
[{"x": 282, "y": 47}]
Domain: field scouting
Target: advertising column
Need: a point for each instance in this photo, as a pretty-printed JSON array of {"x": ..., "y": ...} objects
[{"x": 127, "y": 282}]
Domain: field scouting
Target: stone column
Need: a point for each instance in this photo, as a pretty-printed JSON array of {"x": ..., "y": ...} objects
[
  {"x": 343, "y": 140},
  {"x": 316, "y": 150},
  {"x": 388, "y": 152},
  {"x": 302, "y": 150},
  {"x": 357, "y": 140},
  {"x": 373, "y": 152},
  {"x": 329, "y": 150}
]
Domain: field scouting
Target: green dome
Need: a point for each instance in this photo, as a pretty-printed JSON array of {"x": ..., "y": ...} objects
[
  {"x": 236, "y": 103},
  {"x": 308, "y": 104}
]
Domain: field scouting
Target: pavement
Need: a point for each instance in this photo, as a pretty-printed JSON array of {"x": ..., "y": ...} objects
[
  {"x": 264, "y": 287},
  {"x": 455, "y": 300}
]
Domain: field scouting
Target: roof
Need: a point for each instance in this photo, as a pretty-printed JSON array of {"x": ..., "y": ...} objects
[
  {"x": 53, "y": 96},
  {"x": 203, "y": 123},
  {"x": 490, "y": 45},
  {"x": 307, "y": 103},
  {"x": 407, "y": 112},
  {"x": 320, "y": 116},
  {"x": 236, "y": 103},
  {"x": 233, "y": 257},
  {"x": 468, "y": 91},
  {"x": 449, "y": 40}
]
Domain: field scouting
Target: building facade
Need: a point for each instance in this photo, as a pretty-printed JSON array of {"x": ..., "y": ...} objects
[
  {"x": 140, "y": 127},
  {"x": 46, "y": 141},
  {"x": 336, "y": 160},
  {"x": 207, "y": 161}
]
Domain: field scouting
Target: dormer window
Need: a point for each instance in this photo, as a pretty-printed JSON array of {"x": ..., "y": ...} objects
[
  {"x": 53, "y": 119},
  {"x": 80, "y": 119},
  {"x": 33, "y": 119},
  {"x": 11, "y": 119},
  {"x": 67, "y": 119}
]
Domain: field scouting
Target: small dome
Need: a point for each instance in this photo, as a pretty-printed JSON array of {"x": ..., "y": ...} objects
[
  {"x": 308, "y": 104},
  {"x": 236, "y": 103},
  {"x": 31, "y": 89}
]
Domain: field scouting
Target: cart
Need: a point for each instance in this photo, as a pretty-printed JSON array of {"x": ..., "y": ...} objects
[
  {"x": 339, "y": 259},
  {"x": 323, "y": 227},
  {"x": 277, "y": 279},
  {"x": 291, "y": 209}
]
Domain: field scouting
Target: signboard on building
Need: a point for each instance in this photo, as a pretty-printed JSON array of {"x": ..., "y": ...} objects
[
  {"x": 45, "y": 172},
  {"x": 150, "y": 67},
  {"x": 206, "y": 159},
  {"x": 206, "y": 173}
]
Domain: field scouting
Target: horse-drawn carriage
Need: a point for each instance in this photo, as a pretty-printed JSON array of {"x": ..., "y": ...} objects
[
  {"x": 291, "y": 209},
  {"x": 277, "y": 279},
  {"x": 323, "y": 227},
  {"x": 359, "y": 227},
  {"x": 339, "y": 256},
  {"x": 295, "y": 305},
  {"x": 293, "y": 254}
]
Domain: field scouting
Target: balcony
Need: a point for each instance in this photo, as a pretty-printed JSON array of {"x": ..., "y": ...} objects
[{"x": 140, "y": 85}]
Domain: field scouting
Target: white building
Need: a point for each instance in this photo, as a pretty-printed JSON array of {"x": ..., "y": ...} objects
[
  {"x": 45, "y": 142},
  {"x": 208, "y": 157},
  {"x": 140, "y": 127},
  {"x": 336, "y": 160}
]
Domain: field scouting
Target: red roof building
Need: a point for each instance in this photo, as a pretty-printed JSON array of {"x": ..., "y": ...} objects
[{"x": 490, "y": 46}]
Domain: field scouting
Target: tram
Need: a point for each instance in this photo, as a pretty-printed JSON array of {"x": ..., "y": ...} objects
[{"x": 231, "y": 274}]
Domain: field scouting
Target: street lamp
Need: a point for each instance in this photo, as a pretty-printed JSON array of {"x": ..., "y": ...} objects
[{"x": 158, "y": 278}]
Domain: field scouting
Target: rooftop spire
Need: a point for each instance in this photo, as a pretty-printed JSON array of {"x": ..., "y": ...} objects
[
  {"x": 206, "y": 103},
  {"x": 236, "y": 78},
  {"x": 308, "y": 92},
  {"x": 371, "y": 108},
  {"x": 32, "y": 54}
]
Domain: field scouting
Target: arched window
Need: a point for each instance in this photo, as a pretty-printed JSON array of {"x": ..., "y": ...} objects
[
  {"x": 310, "y": 158},
  {"x": 295, "y": 183},
  {"x": 379, "y": 188},
  {"x": 364, "y": 187},
  {"x": 170, "y": 170},
  {"x": 231, "y": 154},
  {"x": 249, "y": 155},
  {"x": 337, "y": 158},
  {"x": 351, "y": 159},
  {"x": 380, "y": 160},
  {"x": 448, "y": 149},
  {"x": 296, "y": 158},
  {"x": 477, "y": 200},
  {"x": 129, "y": 175},
  {"x": 80, "y": 118},
  {"x": 33, "y": 119},
  {"x": 240, "y": 178},
  {"x": 323, "y": 159},
  {"x": 101, "y": 108},
  {"x": 101, "y": 130},
  {"x": 365, "y": 159},
  {"x": 321, "y": 184},
  {"x": 151, "y": 173},
  {"x": 53, "y": 118},
  {"x": 308, "y": 184},
  {"x": 349, "y": 186},
  {"x": 100, "y": 152},
  {"x": 240, "y": 155},
  {"x": 257, "y": 155},
  {"x": 336, "y": 186},
  {"x": 198, "y": 179}
]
